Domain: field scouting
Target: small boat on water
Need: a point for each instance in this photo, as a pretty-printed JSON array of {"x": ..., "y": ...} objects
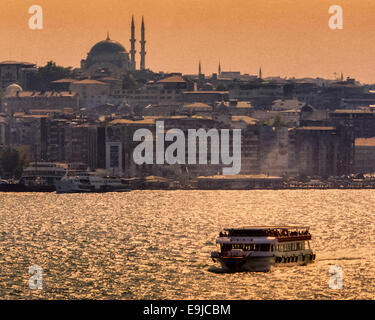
[
  {"x": 260, "y": 248},
  {"x": 83, "y": 182}
]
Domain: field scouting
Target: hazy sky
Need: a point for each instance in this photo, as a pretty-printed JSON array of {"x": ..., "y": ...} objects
[{"x": 285, "y": 37}]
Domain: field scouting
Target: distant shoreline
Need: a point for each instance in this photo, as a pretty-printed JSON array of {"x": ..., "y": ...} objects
[{"x": 22, "y": 189}]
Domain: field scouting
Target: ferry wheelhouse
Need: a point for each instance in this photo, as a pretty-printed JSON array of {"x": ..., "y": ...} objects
[{"x": 260, "y": 248}]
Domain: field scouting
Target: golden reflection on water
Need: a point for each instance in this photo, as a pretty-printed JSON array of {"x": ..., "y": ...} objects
[{"x": 157, "y": 244}]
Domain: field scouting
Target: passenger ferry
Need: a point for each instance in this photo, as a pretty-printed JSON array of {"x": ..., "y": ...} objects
[
  {"x": 260, "y": 248},
  {"x": 42, "y": 175},
  {"x": 82, "y": 182}
]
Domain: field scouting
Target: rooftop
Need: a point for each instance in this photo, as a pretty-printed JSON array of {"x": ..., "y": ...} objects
[
  {"x": 268, "y": 227},
  {"x": 348, "y": 111},
  {"x": 316, "y": 128},
  {"x": 206, "y": 92},
  {"x": 365, "y": 142},
  {"x": 129, "y": 121},
  {"x": 173, "y": 79},
  {"x": 245, "y": 119},
  {"x": 89, "y": 81},
  {"x": 11, "y": 62},
  {"x": 198, "y": 105},
  {"x": 241, "y": 177},
  {"x": 67, "y": 80},
  {"x": 108, "y": 79},
  {"x": 23, "y": 115},
  {"x": 31, "y": 94}
]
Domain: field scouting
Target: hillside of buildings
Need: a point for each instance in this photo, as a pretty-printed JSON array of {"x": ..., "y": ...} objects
[{"x": 290, "y": 128}]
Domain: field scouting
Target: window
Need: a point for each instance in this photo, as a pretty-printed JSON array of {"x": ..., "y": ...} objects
[{"x": 114, "y": 156}]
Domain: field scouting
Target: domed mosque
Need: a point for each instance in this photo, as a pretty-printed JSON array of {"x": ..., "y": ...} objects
[{"x": 110, "y": 58}]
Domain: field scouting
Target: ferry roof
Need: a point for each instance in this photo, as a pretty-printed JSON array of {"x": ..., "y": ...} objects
[
  {"x": 267, "y": 228},
  {"x": 246, "y": 240}
]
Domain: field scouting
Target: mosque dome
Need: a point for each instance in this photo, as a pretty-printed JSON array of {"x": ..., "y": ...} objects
[
  {"x": 13, "y": 89},
  {"x": 107, "y": 46}
]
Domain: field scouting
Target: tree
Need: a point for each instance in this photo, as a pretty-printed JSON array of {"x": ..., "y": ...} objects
[
  {"x": 42, "y": 79},
  {"x": 278, "y": 121}
]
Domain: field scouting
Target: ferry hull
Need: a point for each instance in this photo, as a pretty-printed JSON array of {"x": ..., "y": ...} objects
[
  {"x": 64, "y": 186},
  {"x": 92, "y": 190},
  {"x": 260, "y": 264},
  {"x": 254, "y": 264}
]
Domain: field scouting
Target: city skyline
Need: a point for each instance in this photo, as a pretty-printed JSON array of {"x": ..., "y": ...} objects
[{"x": 285, "y": 38}]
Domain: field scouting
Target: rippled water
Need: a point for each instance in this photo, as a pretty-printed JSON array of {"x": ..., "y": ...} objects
[{"x": 157, "y": 244}]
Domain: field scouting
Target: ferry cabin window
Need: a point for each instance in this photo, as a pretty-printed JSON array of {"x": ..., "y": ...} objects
[
  {"x": 291, "y": 246},
  {"x": 248, "y": 247}
]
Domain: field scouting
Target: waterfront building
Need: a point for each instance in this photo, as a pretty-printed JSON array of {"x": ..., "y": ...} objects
[
  {"x": 55, "y": 139},
  {"x": 364, "y": 155},
  {"x": 3, "y": 131},
  {"x": 205, "y": 96},
  {"x": 250, "y": 143},
  {"x": 362, "y": 120},
  {"x": 76, "y": 140},
  {"x": 119, "y": 146},
  {"x": 324, "y": 150},
  {"x": 92, "y": 93},
  {"x": 277, "y": 151},
  {"x": 29, "y": 132},
  {"x": 260, "y": 94},
  {"x": 62, "y": 84},
  {"x": 16, "y": 72},
  {"x": 164, "y": 92},
  {"x": 16, "y": 100}
]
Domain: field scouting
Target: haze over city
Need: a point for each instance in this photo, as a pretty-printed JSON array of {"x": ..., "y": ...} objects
[{"x": 287, "y": 38}]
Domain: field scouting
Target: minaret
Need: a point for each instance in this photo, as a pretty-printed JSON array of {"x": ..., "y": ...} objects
[
  {"x": 260, "y": 73},
  {"x": 108, "y": 36},
  {"x": 143, "y": 43},
  {"x": 219, "y": 69},
  {"x": 200, "y": 74},
  {"x": 132, "y": 45}
]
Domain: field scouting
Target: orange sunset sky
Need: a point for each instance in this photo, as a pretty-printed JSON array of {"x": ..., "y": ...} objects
[{"x": 284, "y": 37}]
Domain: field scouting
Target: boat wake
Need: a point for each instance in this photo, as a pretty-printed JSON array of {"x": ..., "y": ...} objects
[{"x": 342, "y": 258}]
